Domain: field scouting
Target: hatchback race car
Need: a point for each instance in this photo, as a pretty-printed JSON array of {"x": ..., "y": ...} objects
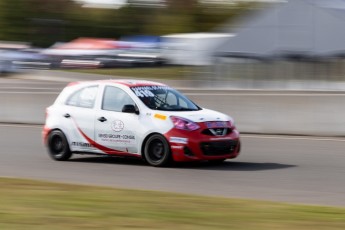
[{"x": 136, "y": 118}]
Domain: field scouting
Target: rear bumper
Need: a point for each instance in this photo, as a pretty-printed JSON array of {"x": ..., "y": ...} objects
[{"x": 45, "y": 133}]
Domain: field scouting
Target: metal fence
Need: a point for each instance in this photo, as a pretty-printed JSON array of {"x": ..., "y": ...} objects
[{"x": 249, "y": 73}]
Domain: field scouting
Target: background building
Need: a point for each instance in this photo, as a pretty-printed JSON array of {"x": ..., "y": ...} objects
[{"x": 295, "y": 39}]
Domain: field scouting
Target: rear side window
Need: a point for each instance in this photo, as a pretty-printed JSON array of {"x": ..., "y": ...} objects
[
  {"x": 114, "y": 99},
  {"x": 85, "y": 97}
]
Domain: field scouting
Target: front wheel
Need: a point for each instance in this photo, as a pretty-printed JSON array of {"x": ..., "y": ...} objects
[
  {"x": 58, "y": 146},
  {"x": 157, "y": 151}
]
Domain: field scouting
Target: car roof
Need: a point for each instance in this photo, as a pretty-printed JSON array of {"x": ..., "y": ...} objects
[{"x": 124, "y": 82}]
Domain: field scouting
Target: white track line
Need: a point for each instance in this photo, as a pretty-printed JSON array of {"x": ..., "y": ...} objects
[
  {"x": 46, "y": 78},
  {"x": 27, "y": 88},
  {"x": 265, "y": 94},
  {"x": 21, "y": 125},
  {"x": 283, "y": 137},
  {"x": 55, "y": 93},
  {"x": 259, "y": 136}
]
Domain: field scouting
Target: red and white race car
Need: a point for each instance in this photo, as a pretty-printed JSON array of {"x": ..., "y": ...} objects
[{"x": 136, "y": 118}]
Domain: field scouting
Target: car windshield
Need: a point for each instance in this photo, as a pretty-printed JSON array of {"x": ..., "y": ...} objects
[{"x": 164, "y": 98}]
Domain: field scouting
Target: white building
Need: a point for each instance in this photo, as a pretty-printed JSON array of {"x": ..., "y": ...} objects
[{"x": 192, "y": 48}]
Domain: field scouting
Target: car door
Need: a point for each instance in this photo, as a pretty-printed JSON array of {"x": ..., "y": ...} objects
[
  {"x": 79, "y": 111},
  {"x": 115, "y": 131}
]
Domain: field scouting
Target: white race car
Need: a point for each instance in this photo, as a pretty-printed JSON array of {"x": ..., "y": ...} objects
[{"x": 136, "y": 118}]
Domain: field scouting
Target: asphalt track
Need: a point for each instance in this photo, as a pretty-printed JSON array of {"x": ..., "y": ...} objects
[{"x": 277, "y": 168}]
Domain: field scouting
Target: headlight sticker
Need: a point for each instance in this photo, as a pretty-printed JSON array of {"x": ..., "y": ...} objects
[{"x": 178, "y": 140}]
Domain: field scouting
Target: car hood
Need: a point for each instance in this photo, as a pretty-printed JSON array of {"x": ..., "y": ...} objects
[{"x": 202, "y": 115}]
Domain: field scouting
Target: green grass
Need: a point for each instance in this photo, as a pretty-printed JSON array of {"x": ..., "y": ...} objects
[
  {"x": 26, "y": 204},
  {"x": 155, "y": 73}
]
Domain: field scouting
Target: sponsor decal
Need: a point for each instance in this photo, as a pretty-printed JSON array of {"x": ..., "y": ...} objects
[
  {"x": 124, "y": 138},
  {"x": 177, "y": 147},
  {"x": 81, "y": 144},
  {"x": 104, "y": 148},
  {"x": 217, "y": 124},
  {"x": 117, "y": 126},
  {"x": 220, "y": 138},
  {"x": 117, "y": 136},
  {"x": 178, "y": 140},
  {"x": 145, "y": 91},
  {"x": 160, "y": 116}
]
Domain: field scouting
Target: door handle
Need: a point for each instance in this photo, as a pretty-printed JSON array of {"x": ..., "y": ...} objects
[
  {"x": 102, "y": 119},
  {"x": 67, "y": 115}
]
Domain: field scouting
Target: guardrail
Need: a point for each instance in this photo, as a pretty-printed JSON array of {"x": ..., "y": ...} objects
[
  {"x": 24, "y": 107},
  {"x": 267, "y": 113},
  {"x": 295, "y": 114}
]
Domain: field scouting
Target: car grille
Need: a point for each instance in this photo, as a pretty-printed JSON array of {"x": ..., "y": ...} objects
[
  {"x": 217, "y": 131},
  {"x": 218, "y": 148}
]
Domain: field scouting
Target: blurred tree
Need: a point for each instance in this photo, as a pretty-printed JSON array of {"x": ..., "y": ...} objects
[
  {"x": 11, "y": 20},
  {"x": 182, "y": 5},
  {"x": 183, "y": 16},
  {"x": 44, "y": 22},
  {"x": 38, "y": 21},
  {"x": 177, "y": 17}
]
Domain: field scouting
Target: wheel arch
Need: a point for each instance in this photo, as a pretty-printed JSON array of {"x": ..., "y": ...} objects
[
  {"x": 58, "y": 129},
  {"x": 145, "y": 140},
  {"x": 58, "y": 145}
]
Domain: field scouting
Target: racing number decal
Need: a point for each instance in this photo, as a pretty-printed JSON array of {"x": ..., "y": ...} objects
[{"x": 145, "y": 91}]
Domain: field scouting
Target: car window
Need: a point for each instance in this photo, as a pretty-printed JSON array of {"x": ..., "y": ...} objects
[
  {"x": 171, "y": 99},
  {"x": 114, "y": 99},
  {"x": 163, "y": 98},
  {"x": 84, "y": 97},
  {"x": 183, "y": 103}
]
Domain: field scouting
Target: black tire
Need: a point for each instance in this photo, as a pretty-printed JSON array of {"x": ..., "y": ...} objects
[
  {"x": 58, "y": 146},
  {"x": 157, "y": 151}
]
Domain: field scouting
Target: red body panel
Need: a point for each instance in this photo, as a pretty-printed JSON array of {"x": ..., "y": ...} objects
[
  {"x": 45, "y": 133},
  {"x": 195, "y": 138}
]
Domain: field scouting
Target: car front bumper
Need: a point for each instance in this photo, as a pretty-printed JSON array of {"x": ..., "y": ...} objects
[{"x": 196, "y": 146}]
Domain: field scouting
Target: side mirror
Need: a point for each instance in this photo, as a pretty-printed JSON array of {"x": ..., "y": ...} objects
[{"x": 130, "y": 109}]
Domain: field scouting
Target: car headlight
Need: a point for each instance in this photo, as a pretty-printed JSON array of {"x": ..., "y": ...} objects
[
  {"x": 184, "y": 124},
  {"x": 231, "y": 122}
]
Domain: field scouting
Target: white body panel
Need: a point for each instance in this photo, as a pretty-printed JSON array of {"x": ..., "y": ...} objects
[{"x": 96, "y": 130}]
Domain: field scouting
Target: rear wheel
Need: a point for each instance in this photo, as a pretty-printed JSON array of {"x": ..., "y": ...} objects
[
  {"x": 157, "y": 151},
  {"x": 58, "y": 146}
]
